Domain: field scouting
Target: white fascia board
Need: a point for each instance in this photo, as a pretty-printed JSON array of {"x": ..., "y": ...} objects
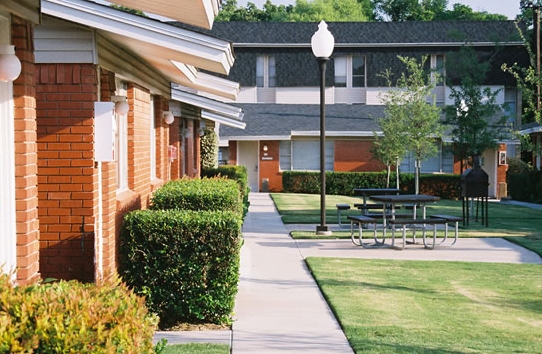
[
  {"x": 537, "y": 129},
  {"x": 201, "y": 12},
  {"x": 194, "y": 79},
  {"x": 311, "y": 133},
  {"x": 171, "y": 42},
  {"x": 208, "y": 104},
  {"x": 222, "y": 120},
  {"x": 256, "y": 138},
  {"x": 378, "y": 45}
]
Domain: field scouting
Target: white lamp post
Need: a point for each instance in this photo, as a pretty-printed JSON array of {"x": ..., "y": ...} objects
[{"x": 322, "y": 44}]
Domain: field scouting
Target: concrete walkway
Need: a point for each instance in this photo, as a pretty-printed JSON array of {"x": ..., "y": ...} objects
[{"x": 279, "y": 307}]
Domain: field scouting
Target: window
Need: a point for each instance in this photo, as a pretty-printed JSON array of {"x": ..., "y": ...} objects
[
  {"x": 265, "y": 71},
  {"x": 350, "y": 70},
  {"x": 121, "y": 142},
  {"x": 304, "y": 155},
  {"x": 443, "y": 162},
  {"x": 437, "y": 64}
]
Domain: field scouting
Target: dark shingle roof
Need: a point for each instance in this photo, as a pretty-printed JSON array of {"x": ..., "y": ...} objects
[
  {"x": 282, "y": 119},
  {"x": 370, "y": 32}
]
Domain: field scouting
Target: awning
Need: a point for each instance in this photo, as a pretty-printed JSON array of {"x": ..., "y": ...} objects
[
  {"x": 213, "y": 110},
  {"x": 174, "y": 52},
  {"x": 199, "y": 13}
]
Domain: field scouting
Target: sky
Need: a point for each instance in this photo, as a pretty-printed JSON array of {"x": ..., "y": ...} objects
[{"x": 509, "y": 8}]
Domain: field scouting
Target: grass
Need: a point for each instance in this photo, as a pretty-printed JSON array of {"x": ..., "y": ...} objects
[
  {"x": 517, "y": 224},
  {"x": 197, "y": 348},
  {"x": 434, "y": 307}
]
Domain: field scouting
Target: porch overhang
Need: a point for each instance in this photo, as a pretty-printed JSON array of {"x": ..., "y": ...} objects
[
  {"x": 213, "y": 110},
  {"x": 199, "y": 13},
  {"x": 173, "y": 52}
]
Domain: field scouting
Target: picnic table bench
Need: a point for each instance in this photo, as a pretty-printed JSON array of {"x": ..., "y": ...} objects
[{"x": 362, "y": 220}]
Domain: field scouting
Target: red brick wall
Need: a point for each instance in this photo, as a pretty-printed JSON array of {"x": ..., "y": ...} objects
[
  {"x": 501, "y": 173},
  {"x": 67, "y": 179},
  {"x": 26, "y": 191},
  {"x": 355, "y": 156},
  {"x": 270, "y": 165},
  {"x": 175, "y": 141}
]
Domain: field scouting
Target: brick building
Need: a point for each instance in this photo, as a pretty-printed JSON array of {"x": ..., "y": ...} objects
[
  {"x": 85, "y": 138},
  {"x": 279, "y": 80}
]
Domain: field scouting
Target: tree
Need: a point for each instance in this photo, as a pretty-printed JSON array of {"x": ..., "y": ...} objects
[
  {"x": 417, "y": 120},
  {"x": 209, "y": 149},
  {"x": 389, "y": 147},
  {"x": 475, "y": 125}
]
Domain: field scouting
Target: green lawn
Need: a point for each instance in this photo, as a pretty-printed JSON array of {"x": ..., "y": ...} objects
[
  {"x": 387, "y": 306},
  {"x": 197, "y": 348},
  {"x": 515, "y": 223}
]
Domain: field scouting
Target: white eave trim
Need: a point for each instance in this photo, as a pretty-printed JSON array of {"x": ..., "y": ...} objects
[
  {"x": 204, "y": 17},
  {"x": 216, "y": 111},
  {"x": 532, "y": 130},
  {"x": 198, "y": 80},
  {"x": 378, "y": 45},
  {"x": 311, "y": 133},
  {"x": 222, "y": 120},
  {"x": 192, "y": 48}
]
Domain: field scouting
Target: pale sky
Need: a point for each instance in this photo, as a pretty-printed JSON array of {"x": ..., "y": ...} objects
[{"x": 509, "y": 8}]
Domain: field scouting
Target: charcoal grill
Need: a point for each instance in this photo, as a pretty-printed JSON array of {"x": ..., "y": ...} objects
[{"x": 474, "y": 184}]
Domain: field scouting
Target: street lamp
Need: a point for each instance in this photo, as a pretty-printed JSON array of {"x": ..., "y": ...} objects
[
  {"x": 536, "y": 28},
  {"x": 322, "y": 44}
]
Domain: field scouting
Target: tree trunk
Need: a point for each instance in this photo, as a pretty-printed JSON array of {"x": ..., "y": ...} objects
[{"x": 417, "y": 176}]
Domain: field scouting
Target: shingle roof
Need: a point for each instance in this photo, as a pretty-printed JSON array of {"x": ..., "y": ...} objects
[
  {"x": 370, "y": 32},
  {"x": 280, "y": 120}
]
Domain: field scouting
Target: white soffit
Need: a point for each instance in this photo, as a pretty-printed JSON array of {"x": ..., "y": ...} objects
[
  {"x": 157, "y": 42},
  {"x": 216, "y": 111},
  {"x": 199, "y": 13}
]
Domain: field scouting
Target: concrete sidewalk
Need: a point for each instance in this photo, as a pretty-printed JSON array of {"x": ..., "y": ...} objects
[{"x": 279, "y": 307}]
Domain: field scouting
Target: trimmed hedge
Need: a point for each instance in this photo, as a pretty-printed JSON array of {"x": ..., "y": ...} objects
[
  {"x": 198, "y": 194},
  {"x": 236, "y": 173},
  {"x": 447, "y": 186},
  {"x": 185, "y": 262},
  {"x": 526, "y": 187},
  {"x": 72, "y": 317}
]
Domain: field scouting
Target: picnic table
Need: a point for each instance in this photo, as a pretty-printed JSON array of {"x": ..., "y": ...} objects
[
  {"x": 416, "y": 200},
  {"x": 367, "y": 192}
]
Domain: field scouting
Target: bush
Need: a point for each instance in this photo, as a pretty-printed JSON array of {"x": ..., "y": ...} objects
[
  {"x": 208, "y": 149},
  {"x": 198, "y": 194},
  {"x": 236, "y": 173},
  {"x": 446, "y": 186},
  {"x": 71, "y": 317},
  {"x": 186, "y": 263}
]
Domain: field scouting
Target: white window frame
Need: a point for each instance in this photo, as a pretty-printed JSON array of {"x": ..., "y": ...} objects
[
  {"x": 308, "y": 156},
  {"x": 152, "y": 148},
  {"x": 266, "y": 73},
  {"x": 434, "y": 63},
  {"x": 8, "y": 226},
  {"x": 444, "y": 154},
  {"x": 121, "y": 142},
  {"x": 344, "y": 70}
]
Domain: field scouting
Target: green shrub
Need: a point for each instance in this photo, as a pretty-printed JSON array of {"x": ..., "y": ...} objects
[
  {"x": 209, "y": 149},
  {"x": 446, "y": 186},
  {"x": 526, "y": 187},
  {"x": 186, "y": 263},
  {"x": 343, "y": 183},
  {"x": 71, "y": 317},
  {"x": 198, "y": 194},
  {"x": 236, "y": 173}
]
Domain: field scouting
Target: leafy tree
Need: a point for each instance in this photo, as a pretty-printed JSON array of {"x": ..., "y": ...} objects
[
  {"x": 473, "y": 117},
  {"x": 417, "y": 119},
  {"x": 390, "y": 146},
  {"x": 461, "y": 12},
  {"x": 209, "y": 149}
]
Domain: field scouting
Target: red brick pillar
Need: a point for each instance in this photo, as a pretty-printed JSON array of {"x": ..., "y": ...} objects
[{"x": 26, "y": 181}]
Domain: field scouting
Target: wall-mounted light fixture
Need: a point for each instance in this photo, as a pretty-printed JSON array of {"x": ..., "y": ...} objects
[
  {"x": 201, "y": 132},
  {"x": 121, "y": 106},
  {"x": 168, "y": 117},
  {"x": 265, "y": 148},
  {"x": 10, "y": 65}
]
